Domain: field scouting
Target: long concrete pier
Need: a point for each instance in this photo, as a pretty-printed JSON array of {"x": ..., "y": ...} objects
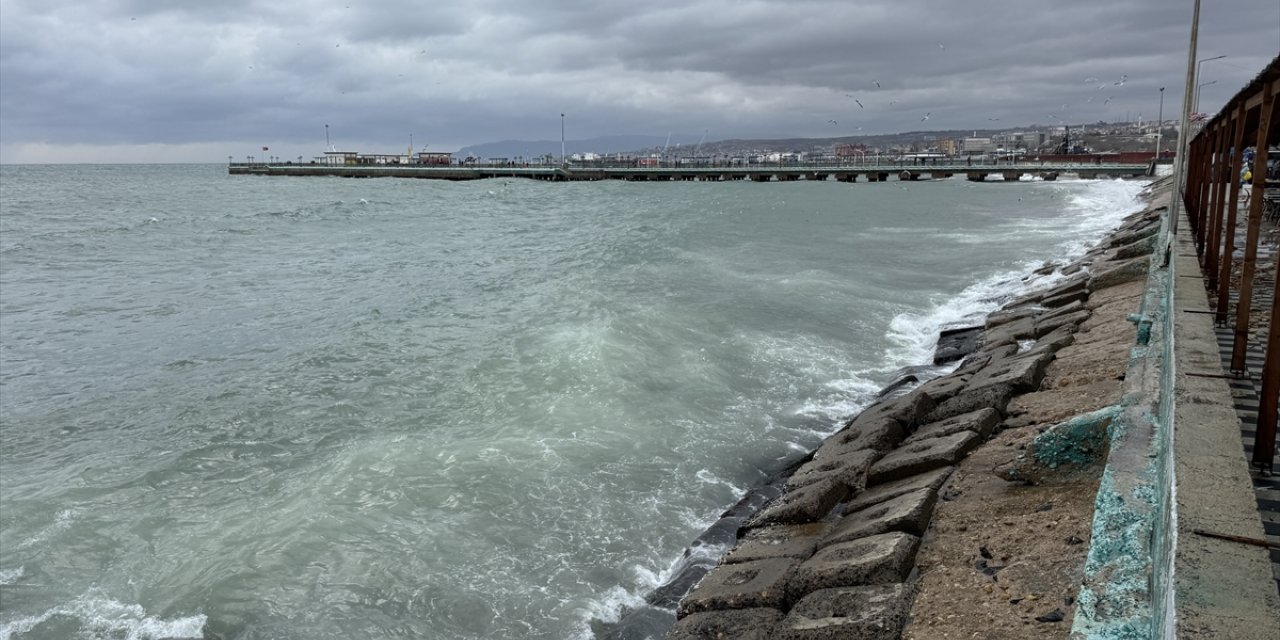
[{"x": 783, "y": 173}]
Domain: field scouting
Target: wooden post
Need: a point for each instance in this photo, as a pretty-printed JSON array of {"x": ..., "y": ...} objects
[
  {"x": 1221, "y": 177},
  {"x": 1229, "y": 231},
  {"x": 1241, "y": 340},
  {"x": 1264, "y": 443}
]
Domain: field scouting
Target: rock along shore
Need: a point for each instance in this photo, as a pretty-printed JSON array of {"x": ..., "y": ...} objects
[{"x": 831, "y": 547}]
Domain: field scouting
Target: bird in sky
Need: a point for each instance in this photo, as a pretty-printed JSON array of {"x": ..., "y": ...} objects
[
  {"x": 1091, "y": 79},
  {"x": 1108, "y": 100},
  {"x": 926, "y": 116},
  {"x": 941, "y": 47},
  {"x": 993, "y": 118},
  {"x": 877, "y": 83},
  {"x": 859, "y": 103},
  {"x": 1090, "y": 99},
  {"x": 893, "y": 102},
  {"x": 833, "y": 122}
]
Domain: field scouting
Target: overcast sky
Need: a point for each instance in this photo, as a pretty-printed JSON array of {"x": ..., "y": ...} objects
[{"x": 178, "y": 81}]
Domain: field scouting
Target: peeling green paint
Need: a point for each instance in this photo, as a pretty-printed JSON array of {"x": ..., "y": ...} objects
[
  {"x": 1080, "y": 440},
  {"x": 1122, "y": 596}
]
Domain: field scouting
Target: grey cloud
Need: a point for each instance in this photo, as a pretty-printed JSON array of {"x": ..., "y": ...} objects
[{"x": 145, "y": 72}]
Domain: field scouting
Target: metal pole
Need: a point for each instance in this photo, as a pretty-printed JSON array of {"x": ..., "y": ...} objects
[
  {"x": 1160, "y": 124},
  {"x": 562, "y": 158},
  {"x": 1196, "y": 108},
  {"x": 1184, "y": 140},
  {"x": 1198, "y": 64},
  {"x": 327, "y": 146}
]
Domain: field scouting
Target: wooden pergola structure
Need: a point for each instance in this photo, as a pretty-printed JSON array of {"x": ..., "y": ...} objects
[{"x": 1214, "y": 173}]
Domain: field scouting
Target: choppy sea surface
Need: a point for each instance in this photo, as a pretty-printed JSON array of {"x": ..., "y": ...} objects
[{"x": 253, "y": 408}]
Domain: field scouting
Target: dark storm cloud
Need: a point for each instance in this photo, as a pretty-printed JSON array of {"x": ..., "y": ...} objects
[{"x": 126, "y": 73}]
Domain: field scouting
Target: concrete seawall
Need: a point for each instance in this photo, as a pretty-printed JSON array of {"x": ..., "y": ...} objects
[{"x": 832, "y": 548}]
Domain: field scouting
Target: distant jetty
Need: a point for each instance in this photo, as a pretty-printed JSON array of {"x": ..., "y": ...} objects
[{"x": 880, "y": 172}]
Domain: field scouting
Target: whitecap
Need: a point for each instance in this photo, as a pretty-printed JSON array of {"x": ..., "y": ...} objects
[{"x": 103, "y": 617}]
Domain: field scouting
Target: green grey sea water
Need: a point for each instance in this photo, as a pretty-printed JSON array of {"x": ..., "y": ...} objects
[{"x": 240, "y": 407}]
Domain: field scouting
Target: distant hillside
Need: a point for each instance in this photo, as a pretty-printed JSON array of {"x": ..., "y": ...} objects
[{"x": 535, "y": 148}]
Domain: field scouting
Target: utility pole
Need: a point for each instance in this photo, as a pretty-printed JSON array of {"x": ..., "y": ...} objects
[{"x": 1179, "y": 172}]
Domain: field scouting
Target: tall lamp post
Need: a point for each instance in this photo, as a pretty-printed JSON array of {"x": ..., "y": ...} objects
[
  {"x": 1160, "y": 124},
  {"x": 1196, "y": 106},
  {"x": 562, "y": 158}
]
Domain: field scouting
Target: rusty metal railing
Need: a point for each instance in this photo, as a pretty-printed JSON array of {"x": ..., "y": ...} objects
[{"x": 1215, "y": 165}]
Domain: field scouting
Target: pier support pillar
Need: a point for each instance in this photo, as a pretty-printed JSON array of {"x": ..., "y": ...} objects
[{"x": 976, "y": 176}]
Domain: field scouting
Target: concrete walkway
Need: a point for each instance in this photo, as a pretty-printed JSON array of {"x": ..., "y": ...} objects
[{"x": 1222, "y": 589}]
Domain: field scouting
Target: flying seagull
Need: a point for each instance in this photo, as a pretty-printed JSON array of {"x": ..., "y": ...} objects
[
  {"x": 833, "y": 122},
  {"x": 926, "y": 116},
  {"x": 859, "y": 103},
  {"x": 1091, "y": 79},
  {"x": 1108, "y": 100},
  {"x": 941, "y": 47},
  {"x": 993, "y": 118},
  {"x": 877, "y": 83}
]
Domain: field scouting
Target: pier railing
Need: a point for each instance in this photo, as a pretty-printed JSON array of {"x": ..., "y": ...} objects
[{"x": 1215, "y": 190}]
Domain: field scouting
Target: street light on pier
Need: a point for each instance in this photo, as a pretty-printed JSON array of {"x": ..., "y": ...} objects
[
  {"x": 1196, "y": 102},
  {"x": 1160, "y": 124},
  {"x": 563, "y": 162},
  {"x": 1196, "y": 108}
]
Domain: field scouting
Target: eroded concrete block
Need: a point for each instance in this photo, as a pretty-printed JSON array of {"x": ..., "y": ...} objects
[
  {"x": 993, "y": 395},
  {"x": 981, "y": 422},
  {"x": 732, "y": 624},
  {"x": 1049, "y": 323},
  {"x": 782, "y": 541},
  {"x": 878, "y": 559},
  {"x": 922, "y": 456},
  {"x": 889, "y": 490},
  {"x": 1010, "y": 332},
  {"x": 872, "y": 612},
  {"x": 907, "y": 409},
  {"x": 849, "y": 468},
  {"x": 955, "y": 344},
  {"x": 1023, "y": 372},
  {"x": 909, "y": 512},
  {"x": 869, "y": 432},
  {"x": 809, "y": 503},
  {"x": 945, "y": 387},
  {"x": 745, "y": 585}
]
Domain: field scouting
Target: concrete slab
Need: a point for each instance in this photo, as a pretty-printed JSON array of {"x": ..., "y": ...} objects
[
  {"x": 798, "y": 541},
  {"x": 995, "y": 396},
  {"x": 1023, "y": 372},
  {"x": 908, "y": 409},
  {"x": 922, "y": 456},
  {"x": 746, "y": 585},
  {"x": 849, "y": 468},
  {"x": 981, "y": 422},
  {"x": 875, "y": 495},
  {"x": 873, "y": 612},
  {"x": 876, "y": 433},
  {"x": 1010, "y": 332},
  {"x": 1223, "y": 589},
  {"x": 955, "y": 344},
  {"x": 1047, "y": 324},
  {"x": 879, "y": 559},
  {"x": 733, "y": 624},
  {"x": 909, "y": 512},
  {"x": 809, "y": 503},
  {"x": 945, "y": 387}
]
